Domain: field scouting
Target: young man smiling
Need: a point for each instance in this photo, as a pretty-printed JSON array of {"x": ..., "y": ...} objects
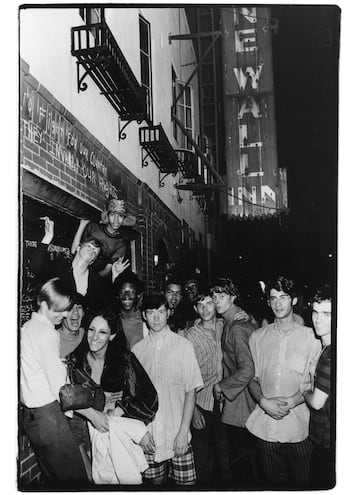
[
  {"x": 285, "y": 355},
  {"x": 170, "y": 362},
  {"x": 71, "y": 331},
  {"x": 128, "y": 288}
]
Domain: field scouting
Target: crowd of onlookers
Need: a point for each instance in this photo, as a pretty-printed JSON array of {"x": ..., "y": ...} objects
[{"x": 198, "y": 386}]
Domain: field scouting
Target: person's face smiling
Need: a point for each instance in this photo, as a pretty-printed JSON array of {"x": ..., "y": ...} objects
[
  {"x": 73, "y": 320},
  {"x": 89, "y": 252},
  {"x": 127, "y": 296},
  {"x": 99, "y": 335},
  {"x": 223, "y": 301},
  {"x": 281, "y": 303}
]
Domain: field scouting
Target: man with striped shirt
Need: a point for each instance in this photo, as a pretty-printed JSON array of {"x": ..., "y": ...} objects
[
  {"x": 208, "y": 435},
  {"x": 322, "y": 472}
]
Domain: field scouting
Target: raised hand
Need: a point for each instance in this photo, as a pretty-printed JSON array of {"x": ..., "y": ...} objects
[
  {"x": 49, "y": 230},
  {"x": 118, "y": 267}
]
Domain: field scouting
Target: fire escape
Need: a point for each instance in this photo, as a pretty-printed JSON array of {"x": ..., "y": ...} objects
[{"x": 204, "y": 42}]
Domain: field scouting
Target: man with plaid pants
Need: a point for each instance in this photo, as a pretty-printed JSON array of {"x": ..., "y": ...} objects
[{"x": 170, "y": 362}]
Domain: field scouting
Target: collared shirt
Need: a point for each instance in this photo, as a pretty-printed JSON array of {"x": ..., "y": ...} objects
[
  {"x": 207, "y": 346},
  {"x": 170, "y": 362},
  {"x": 42, "y": 372},
  {"x": 284, "y": 364}
]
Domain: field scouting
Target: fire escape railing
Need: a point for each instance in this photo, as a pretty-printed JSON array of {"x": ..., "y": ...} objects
[
  {"x": 101, "y": 58},
  {"x": 187, "y": 163},
  {"x": 154, "y": 141}
]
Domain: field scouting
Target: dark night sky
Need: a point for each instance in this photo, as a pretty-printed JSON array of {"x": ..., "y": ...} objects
[
  {"x": 305, "y": 54},
  {"x": 305, "y": 51}
]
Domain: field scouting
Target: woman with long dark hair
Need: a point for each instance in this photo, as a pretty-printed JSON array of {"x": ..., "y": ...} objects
[{"x": 104, "y": 355}]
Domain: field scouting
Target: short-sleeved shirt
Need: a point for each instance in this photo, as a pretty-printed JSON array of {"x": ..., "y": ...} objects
[
  {"x": 320, "y": 419},
  {"x": 115, "y": 245},
  {"x": 283, "y": 362},
  {"x": 170, "y": 362}
]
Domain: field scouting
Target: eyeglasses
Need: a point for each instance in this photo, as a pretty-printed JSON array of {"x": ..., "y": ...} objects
[{"x": 283, "y": 298}]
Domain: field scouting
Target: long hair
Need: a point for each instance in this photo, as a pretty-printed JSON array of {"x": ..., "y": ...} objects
[{"x": 115, "y": 347}]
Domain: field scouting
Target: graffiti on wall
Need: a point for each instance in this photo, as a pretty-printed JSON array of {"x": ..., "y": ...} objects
[{"x": 46, "y": 127}]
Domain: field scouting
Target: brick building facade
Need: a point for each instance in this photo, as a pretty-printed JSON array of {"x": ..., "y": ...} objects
[{"x": 74, "y": 155}]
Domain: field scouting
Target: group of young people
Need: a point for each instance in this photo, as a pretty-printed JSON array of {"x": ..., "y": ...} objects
[{"x": 196, "y": 391}]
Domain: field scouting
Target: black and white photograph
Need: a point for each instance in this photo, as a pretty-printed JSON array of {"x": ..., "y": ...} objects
[{"x": 178, "y": 217}]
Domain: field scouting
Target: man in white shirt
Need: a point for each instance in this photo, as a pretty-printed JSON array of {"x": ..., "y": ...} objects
[
  {"x": 170, "y": 362},
  {"x": 42, "y": 373},
  {"x": 285, "y": 355}
]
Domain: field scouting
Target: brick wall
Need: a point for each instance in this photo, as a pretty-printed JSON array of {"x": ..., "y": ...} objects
[
  {"x": 29, "y": 471},
  {"x": 48, "y": 153}
]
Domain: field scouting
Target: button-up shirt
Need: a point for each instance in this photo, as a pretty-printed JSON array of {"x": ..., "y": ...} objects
[
  {"x": 170, "y": 362},
  {"x": 42, "y": 372},
  {"x": 207, "y": 346},
  {"x": 284, "y": 364}
]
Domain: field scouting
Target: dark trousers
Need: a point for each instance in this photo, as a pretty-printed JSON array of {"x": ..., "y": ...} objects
[
  {"x": 54, "y": 446},
  {"x": 322, "y": 470},
  {"x": 210, "y": 449},
  {"x": 243, "y": 456},
  {"x": 286, "y": 464}
]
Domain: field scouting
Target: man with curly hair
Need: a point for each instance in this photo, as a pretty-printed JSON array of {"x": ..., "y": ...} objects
[{"x": 285, "y": 354}]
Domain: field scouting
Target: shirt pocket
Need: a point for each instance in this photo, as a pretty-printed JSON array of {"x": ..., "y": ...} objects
[
  {"x": 171, "y": 373},
  {"x": 298, "y": 362}
]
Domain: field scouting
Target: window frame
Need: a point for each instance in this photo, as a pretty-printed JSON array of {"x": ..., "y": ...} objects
[
  {"x": 86, "y": 14},
  {"x": 148, "y": 57},
  {"x": 181, "y": 108}
]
